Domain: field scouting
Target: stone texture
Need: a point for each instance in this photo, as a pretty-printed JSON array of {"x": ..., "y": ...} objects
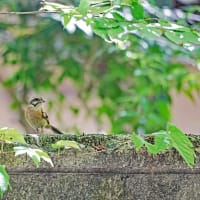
[{"x": 117, "y": 172}]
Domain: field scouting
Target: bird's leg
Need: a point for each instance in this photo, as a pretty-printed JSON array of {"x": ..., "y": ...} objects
[{"x": 42, "y": 130}]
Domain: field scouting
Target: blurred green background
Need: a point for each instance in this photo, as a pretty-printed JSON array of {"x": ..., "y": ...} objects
[{"x": 117, "y": 87}]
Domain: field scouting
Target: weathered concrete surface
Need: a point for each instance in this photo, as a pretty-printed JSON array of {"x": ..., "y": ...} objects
[{"x": 118, "y": 173}]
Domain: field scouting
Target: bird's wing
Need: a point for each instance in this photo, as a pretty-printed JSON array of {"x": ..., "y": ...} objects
[{"x": 45, "y": 116}]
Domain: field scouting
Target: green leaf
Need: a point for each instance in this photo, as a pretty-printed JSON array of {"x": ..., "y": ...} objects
[
  {"x": 138, "y": 141},
  {"x": 137, "y": 11},
  {"x": 182, "y": 37},
  {"x": 11, "y": 135},
  {"x": 101, "y": 32},
  {"x": 163, "y": 108},
  {"x": 105, "y": 23},
  {"x": 150, "y": 33},
  {"x": 118, "y": 17},
  {"x": 161, "y": 142},
  {"x": 98, "y": 10},
  {"x": 146, "y": 30},
  {"x": 182, "y": 144},
  {"x": 44, "y": 156},
  {"x": 4, "y": 181},
  {"x": 114, "y": 32},
  {"x": 66, "y": 18},
  {"x": 84, "y": 6},
  {"x": 167, "y": 25},
  {"x": 66, "y": 144},
  {"x": 127, "y": 2},
  {"x": 50, "y": 6},
  {"x": 34, "y": 154},
  {"x": 35, "y": 159},
  {"x": 151, "y": 148}
]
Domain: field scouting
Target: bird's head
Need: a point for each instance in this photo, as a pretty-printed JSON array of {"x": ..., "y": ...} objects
[{"x": 36, "y": 101}]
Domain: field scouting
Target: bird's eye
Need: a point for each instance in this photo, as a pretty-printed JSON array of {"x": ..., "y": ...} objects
[{"x": 34, "y": 101}]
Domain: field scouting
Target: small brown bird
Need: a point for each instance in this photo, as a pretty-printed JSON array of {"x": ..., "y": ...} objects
[{"x": 37, "y": 118}]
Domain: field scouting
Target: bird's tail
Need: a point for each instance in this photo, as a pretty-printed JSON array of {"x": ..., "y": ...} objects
[{"x": 55, "y": 130}]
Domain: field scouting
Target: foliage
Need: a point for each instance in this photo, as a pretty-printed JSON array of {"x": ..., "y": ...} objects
[
  {"x": 130, "y": 72},
  {"x": 4, "y": 180},
  {"x": 115, "y": 27},
  {"x": 35, "y": 154},
  {"x": 11, "y": 135},
  {"x": 165, "y": 140},
  {"x": 66, "y": 144}
]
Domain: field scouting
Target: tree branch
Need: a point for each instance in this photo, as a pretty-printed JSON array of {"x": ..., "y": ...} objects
[{"x": 27, "y": 13}]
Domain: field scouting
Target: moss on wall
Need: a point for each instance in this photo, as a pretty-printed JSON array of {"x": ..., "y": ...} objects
[{"x": 116, "y": 171}]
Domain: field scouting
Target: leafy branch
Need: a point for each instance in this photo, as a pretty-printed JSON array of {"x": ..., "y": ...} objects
[
  {"x": 26, "y": 13},
  {"x": 166, "y": 140},
  {"x": 116, "y": 27}
]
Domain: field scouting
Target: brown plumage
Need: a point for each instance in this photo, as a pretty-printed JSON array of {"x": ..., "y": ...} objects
[{"x": 37, "y": 118}]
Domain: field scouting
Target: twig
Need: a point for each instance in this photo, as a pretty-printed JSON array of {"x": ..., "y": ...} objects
[{"x": 27, "y": 13}]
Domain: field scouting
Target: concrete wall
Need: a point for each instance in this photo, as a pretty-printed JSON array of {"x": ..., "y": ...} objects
[{"x": 117, "y": 173}]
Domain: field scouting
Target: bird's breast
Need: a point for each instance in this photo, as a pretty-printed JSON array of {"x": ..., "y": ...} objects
[{"x": 35, "y": 118}]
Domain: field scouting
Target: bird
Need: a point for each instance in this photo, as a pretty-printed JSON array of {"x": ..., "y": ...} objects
[{"x": 37, "y": 118}]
